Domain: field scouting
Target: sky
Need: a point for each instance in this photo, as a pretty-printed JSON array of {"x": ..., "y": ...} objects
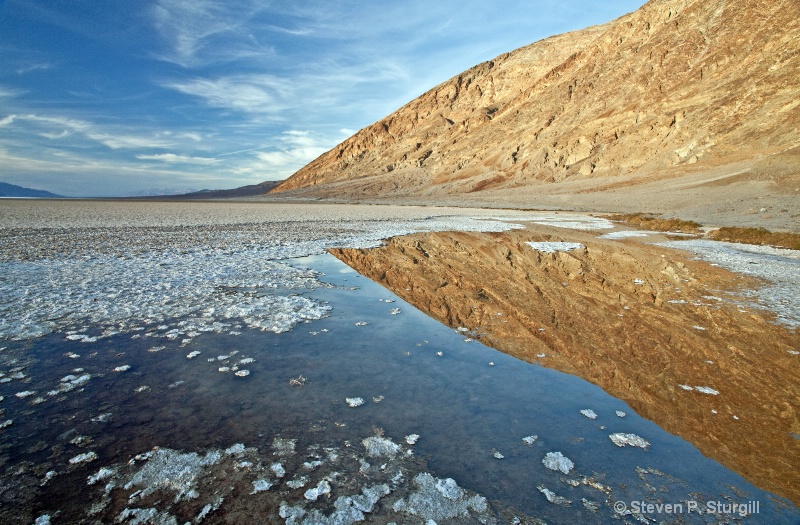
[{"x": 120, "y": 98}]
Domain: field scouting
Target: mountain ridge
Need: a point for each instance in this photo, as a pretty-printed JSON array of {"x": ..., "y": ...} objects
[
  {"x": 673, "y": 88},
  {"x": 15, "y": 191}
]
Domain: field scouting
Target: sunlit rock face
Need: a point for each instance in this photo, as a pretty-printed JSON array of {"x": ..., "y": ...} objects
[{"x": 673, "y": 88}]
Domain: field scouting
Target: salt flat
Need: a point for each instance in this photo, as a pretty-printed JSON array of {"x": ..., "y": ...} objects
[{"x": 195, "y": 326}]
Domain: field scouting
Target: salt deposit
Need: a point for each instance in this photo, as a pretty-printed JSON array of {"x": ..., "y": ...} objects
[
  {"x": 378, "y": 446},
  {"x": 707, "y": 390},
  {"x": 552, "y": 497},
  {"x": 628, "y": 440},
  {"x": 571, "y": 221},
  {"x": 173, "y": 472},
  {"x": 322, "y": 489},
  {"x": 354, "y": 402},
  {"x": 557, "y": 461},
  {"x": 778, "y": 266},
  {"x": 553, "y": 247},
  {"x": 625, "y": 234},
  {"x": 83, "y": 458},
  {"x": 440, "y": 499},
  {"x": 588, "y": 412},
  {"x": 136, "y": 277},
  {"x": 261, "y": 485}
]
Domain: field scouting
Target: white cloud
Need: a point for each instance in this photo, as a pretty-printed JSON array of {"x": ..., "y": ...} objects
[
  {"x": 33, "y": 67},
  {"x": 119, "y": 141},
  {"x": 298, "y": 149},
  {"x": 63, "y": 134},
  {"x": 65, "y": 126},
  {"x": 245, "y": 93},
  {"x": 63, "y": 122},
  {"x": 200, "y": 32},
  {"x": 172, "y": 158},
  {"x": 6, "y": 92}
]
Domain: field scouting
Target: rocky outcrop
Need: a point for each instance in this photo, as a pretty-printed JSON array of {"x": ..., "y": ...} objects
[{"x": 677, "y": 85}]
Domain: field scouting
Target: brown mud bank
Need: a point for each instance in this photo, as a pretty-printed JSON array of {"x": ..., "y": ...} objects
[{"x": 638, "y": 320}]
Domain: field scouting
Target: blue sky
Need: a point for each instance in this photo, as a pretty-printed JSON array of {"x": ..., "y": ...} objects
[{"x": 120, "y": 97}]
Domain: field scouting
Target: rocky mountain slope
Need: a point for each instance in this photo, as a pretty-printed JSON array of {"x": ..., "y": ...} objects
[{"x": 677, "y": 87}]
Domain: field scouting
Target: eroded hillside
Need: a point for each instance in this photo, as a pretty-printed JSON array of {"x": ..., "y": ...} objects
[{"x": 675, "y": 87}]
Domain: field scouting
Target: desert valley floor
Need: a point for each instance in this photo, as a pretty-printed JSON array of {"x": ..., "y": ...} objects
[{"x": 210, "y": 362}]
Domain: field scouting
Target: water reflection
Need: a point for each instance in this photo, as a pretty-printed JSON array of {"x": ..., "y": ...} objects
[{"x": 471, "y": 406}]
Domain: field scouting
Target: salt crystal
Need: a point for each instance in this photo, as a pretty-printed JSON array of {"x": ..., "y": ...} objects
[
  {"x": 354, "y": 402},
  {"x": 322, "y": 488},
  {"x": 261, "y": 485},
  {"x": 628, "y": 440},
  {"x": 378, "y": 446},
  {"x": 557, "y": 461},
  {"x": 553, "y": 247},
  {"x": 123, "y": 368},
  {"x": 588, "y": 412},
  {"x": 83, "y": 458},
  {"x": 552, "y": 497},
  {"x": 530, "y": 440}
]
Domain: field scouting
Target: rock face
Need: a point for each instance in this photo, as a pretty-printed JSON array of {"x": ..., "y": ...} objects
[{"x": 677, "y": 86}]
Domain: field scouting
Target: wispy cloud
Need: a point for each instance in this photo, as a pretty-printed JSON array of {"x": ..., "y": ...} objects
[
  {"x": 297, "y": 148},
  {"x": 200, "y": 32},
  {"x": 33, "y": 67},
  {"x": 121, "y": 141},
  {"x": 7, "y": 92},
  {"x": 57, "y": 127},
  {"x": 245, "y": 93},
  {"x": 172, "y": 158},
  {"x": 54, "y": 136}
]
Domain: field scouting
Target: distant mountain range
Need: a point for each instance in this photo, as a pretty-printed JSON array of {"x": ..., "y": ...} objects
[
  {"x": 12, "y": 190},
  {"x": 243, "y": 191}
]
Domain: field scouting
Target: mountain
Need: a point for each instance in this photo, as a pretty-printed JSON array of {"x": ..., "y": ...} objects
[
  {"x": 243, "y": 191},
  {"x": 12, "y": 190},
  {"x": 674, "y": 88}
]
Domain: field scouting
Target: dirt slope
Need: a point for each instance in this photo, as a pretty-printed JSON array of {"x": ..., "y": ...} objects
[{"x": 675, "y": 88}]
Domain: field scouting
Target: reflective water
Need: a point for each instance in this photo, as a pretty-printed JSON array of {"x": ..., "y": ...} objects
[{"x": 471, "y": 407}]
